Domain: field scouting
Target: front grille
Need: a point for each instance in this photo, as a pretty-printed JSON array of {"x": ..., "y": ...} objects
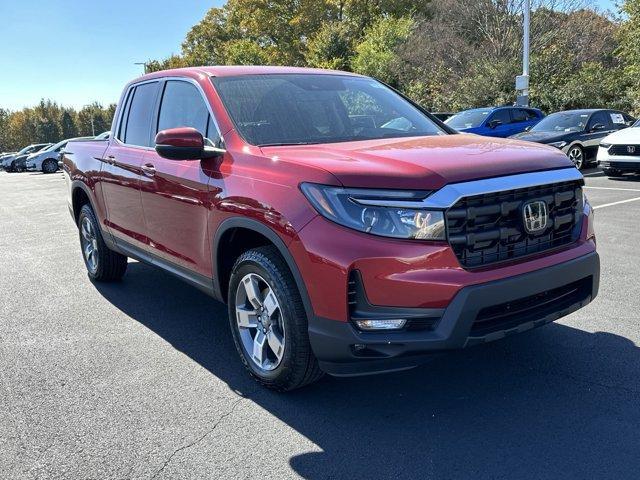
[
  {"x": 530, "y": 309},
  {"x": 621, "y": 165},
  {"x": 489, "y": 228},
  {"x": 624, "y": 150}
]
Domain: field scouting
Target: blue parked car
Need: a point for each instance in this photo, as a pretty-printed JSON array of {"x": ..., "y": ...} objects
[{"x": 495, "y": 121}]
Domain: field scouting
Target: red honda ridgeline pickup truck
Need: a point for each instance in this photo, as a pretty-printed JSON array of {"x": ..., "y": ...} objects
[{"x": 348, "y": 230}]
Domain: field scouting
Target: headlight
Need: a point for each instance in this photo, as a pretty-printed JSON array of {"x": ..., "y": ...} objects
[
  {"x": 388, "y": 213},
  {"x": 606, "y": 146},
  {"x": 558, "y": 144}
]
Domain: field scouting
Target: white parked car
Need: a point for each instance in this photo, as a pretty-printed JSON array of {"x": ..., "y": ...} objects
[
  {"x": 8, "y": 161},
  {"x": 46, "y": 160},
  {"x": 619, "y": 152},
  {"x": 104, "y": 135}
]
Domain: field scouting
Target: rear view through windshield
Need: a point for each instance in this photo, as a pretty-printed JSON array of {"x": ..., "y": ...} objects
[
  {"x": 468, "y": 118},
  {"x": 305, "y": 109},
  {"x": 563, "y": 122}
]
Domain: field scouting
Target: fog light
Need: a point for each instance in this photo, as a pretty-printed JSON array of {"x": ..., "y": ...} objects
[{"x": 381, "y": 324}]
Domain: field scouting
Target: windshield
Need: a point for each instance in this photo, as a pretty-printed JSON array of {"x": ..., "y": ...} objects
[
  {"x": 57, "y": 146},
  {"x": 468, "y": 118},
  {"x": 305, "y": 109},
  {"x": 562, "y": 122}
]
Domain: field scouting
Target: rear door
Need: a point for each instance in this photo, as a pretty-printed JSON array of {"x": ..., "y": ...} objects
[
  {"x": 121, "y": 171},
  {"x": 592, "y": 137},
  {"x": 175, "y": 194},
  {"x": 504, "y": 128}
]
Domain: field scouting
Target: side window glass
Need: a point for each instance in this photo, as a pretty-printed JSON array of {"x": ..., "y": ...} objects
[
  {"x": 502, "y": 116},
  {"x": 139, "y": 118},
  {"x": 212, "y": 133},
  {"x": 519, "y": 115},
  {"x": 183, "y": 106},
  {"x": 125, "y": 114},
  {"x": 599, "y": 118}
]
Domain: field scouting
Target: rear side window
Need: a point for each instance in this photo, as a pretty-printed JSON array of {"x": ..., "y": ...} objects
[
  {"x": 600, "y": 117},
  {"x": 502, "y": 116},
  {"x": 183, "y": 106},
  {"x": 138, "y": 120},
  {"x": 519, "y": 115}
]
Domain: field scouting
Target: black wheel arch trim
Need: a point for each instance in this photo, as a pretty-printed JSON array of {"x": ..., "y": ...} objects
[{"x": 274, "y": 238}]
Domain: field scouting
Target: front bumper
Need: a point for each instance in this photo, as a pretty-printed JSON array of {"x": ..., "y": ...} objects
[
  {"x": 621, "y": 163},
  {"x": 343, "y": 350}
]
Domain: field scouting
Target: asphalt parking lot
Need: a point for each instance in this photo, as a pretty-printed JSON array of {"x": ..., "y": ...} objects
[{"x": 140, "y": 379}]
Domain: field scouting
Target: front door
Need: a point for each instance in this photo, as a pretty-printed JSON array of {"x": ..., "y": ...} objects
[
  {"x": 121, "y": 171},
  {"x": 175, "y": 195}
]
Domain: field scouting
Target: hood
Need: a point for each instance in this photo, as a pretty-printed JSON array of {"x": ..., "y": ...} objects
[
  {"x": 422, "y": 162},
  {"x": 541, "y": 137},
  {"x": 627, "y": 135}
]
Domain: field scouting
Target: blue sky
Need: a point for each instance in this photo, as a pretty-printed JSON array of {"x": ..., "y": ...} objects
[{"x": 79, "y": 51}]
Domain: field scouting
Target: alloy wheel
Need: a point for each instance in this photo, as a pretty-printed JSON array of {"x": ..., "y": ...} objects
[
  {"x": 260, "y": 322},
  {"x": 89, "y": 244},
  {"x": 576, "y": 156}
]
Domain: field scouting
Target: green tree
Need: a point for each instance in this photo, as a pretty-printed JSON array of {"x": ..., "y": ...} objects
[
  {"x": 629, "y": 49},
  {"x": 68, "y": 124},
  {"x": 331, "y": 47},
  {"x": 375, "y": 55}
]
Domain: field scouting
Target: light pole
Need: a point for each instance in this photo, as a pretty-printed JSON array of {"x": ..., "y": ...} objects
[
  {"x": 522, "y": 81},
  {"x": 144, "y": 66}
]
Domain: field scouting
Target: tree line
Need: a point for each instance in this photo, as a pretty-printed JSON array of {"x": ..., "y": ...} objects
[
  {"x": 49, "y": 122},
  {"x": 447, "y": 55}
]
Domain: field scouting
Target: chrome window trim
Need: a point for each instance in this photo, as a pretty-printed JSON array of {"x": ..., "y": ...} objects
[
  {"x": 450, "y": 194},
  {"x": 159, "y": 80}
]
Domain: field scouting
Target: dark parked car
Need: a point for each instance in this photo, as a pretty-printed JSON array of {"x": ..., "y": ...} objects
[
  {"x": 577, "y": 132},
  {"x": 495, "y": 121}
]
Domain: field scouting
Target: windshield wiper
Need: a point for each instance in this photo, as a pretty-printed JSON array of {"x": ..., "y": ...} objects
[{"x": 284, "y": 144}]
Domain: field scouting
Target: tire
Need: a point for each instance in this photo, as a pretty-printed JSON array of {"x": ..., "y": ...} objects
[
  {"x": 285, "y": 361},
  {"x": 576, "y": 155},
  {"x": 49, "y": 166},
  {"x": 12, "y": 167},
  {"x": 103, "y": 264},
  {"x": 610, "y": 172}
]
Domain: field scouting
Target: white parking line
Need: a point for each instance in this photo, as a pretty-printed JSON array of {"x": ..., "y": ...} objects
[
  {"x": 617, "y": 203},
  {"x": 612, "y": 188}
]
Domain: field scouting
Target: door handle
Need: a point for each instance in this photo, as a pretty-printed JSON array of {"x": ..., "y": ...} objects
[
  {"x": 148, "y": 169},
  {"x": 110, "y": 159}
]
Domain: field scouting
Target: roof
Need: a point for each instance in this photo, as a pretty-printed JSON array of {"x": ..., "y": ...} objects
[
  {"x": 583, "y": 111},
  {"x": 236, "y": 70}
]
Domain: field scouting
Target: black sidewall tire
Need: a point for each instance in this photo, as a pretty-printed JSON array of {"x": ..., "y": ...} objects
[
  {"x": 111, "y": 265},
  {"x": 246, "y": 267},
  {"x": 299, "y": 366},
  {"x": 45, "y": 169}
]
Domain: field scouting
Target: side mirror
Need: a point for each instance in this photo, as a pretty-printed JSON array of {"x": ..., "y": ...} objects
[
  {"x": 494, "y": 123},
  {"x": 598, "y": 127},
  {"x": 184, "y": 143}
]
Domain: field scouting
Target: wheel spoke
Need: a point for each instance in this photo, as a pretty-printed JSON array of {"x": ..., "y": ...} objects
[
  {"x": 276, "y": 343},
  {"x": 88, "y": 248},
  {"x": 246, "y": 318},
  {"x": 270, "y": 302},
  {"x": 85, "y": 232},
  {"x": 258, "y": 347},
  {"x": 253, "y": 291}
]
